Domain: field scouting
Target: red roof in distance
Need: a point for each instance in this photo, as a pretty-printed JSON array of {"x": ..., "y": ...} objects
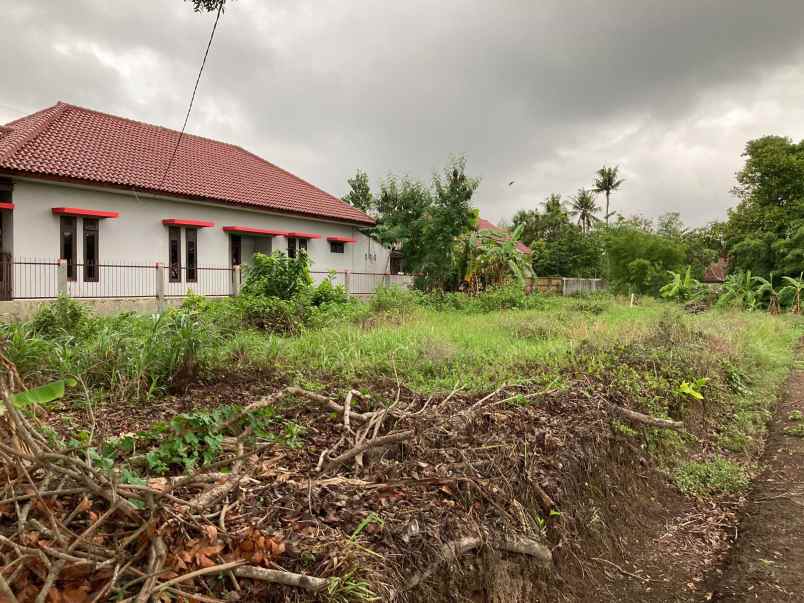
[
  {"x": 75, "y": 144},
  {"x": 483, "y": 224}
]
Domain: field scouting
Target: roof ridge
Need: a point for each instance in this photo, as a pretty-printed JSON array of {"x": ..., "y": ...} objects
[{"x": 58, "y": 110}]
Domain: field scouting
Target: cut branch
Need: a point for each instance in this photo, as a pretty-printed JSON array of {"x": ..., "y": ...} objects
[
  {"x": 391, "y": 438},
  {"x": 638, "y": 417},
  {"x": 310, "y": 583}
]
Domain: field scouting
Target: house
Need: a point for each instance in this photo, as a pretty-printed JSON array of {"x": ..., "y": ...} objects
[
  {"x": 715, "y": 273},
  {"x": 114, "y": 198},
  {"x": 483, "y": 224}
]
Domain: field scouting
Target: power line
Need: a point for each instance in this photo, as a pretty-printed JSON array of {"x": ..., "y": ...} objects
[{"x": 192, "y": 98}]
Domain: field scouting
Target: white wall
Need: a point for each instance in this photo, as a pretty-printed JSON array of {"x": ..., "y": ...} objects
[{"x": 138, "y": 235}]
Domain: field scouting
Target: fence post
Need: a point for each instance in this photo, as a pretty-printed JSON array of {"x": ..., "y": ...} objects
[
  {"x": 563, "y": 286},
  {"x": 347, "y": 281},
  {"x": 160, "y": 287},
  {"x": 386, "y": 280},
  {"x": 236, "y": 280},
  {"x": 61, "y": 277}
]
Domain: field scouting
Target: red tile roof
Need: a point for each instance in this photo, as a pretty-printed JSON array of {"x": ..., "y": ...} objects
[
  {"x": 483, "y": 224},
  {"x": 77, "y": 144},
  {"x": 716, "y": 271}
]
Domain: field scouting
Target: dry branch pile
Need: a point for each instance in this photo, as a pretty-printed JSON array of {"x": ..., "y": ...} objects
[{"x": 337, "y": 518}]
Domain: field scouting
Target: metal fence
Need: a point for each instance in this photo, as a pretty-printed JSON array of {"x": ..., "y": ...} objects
[
  {"x": 47, "y": 278},
  {"x": 560, "y": 285}
]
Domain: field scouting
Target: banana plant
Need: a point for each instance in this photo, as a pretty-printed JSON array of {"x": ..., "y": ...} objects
[
  {"x": 682, "y": 287},
  {"x": 765, "y": 286},
  {"x": 493, "y": 258},
  {"x": 738, "y": 289},
  {"x": 795, "y": 286}
]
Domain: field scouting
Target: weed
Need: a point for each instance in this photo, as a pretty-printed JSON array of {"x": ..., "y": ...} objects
[
  {"x": 710, "y": 478},
  {"x": 797, "y": 431},
  {"x": 795, "y": 416},
  {"x": 343, "y": 589}
]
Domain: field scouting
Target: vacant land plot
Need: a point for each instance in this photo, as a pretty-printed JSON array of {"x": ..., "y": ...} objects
[{"x": 416, "y": 449}]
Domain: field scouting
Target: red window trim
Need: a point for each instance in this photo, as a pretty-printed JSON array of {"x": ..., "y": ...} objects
[
  {"x": 341, "y": 240},
  {"x": 303, "y": 235},
  {"x": 7, "y": 206},
  {"x": 188, "y": 223},
  {"x": 255, "y": 231},
  {"x": 89, "y": 213}
]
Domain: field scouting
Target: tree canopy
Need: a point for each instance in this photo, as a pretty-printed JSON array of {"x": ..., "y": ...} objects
[{"x": 765, "y": 231}]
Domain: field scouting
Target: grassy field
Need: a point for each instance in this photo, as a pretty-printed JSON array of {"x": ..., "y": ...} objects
[{"x": 511, "y": 387}]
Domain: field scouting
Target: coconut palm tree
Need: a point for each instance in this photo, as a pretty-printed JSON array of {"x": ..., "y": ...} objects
[
  {"x": 584, "y": 207},
  {"x": 608, "y": 180}
]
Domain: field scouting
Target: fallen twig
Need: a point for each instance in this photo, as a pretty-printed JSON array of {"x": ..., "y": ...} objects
[{"x": 279, "y": 577}]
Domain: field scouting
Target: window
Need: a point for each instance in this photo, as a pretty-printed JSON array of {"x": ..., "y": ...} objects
[
  {"x": 91, "y": 270},
  {"x": 174, "y": 254},
  {"x": 191, "y": 240},
  {"x": 236, "y": 250},
  {"x": 337, "y": 246},
  {"x": 68, "y": 244},
  {"x": 294, "y": 244}
]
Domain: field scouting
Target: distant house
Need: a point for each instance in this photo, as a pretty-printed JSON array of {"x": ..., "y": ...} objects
[
  {"x": 715, "y": 273},
  {"x": 483, "y": 224},
  {"x": 99, "y": 192}
]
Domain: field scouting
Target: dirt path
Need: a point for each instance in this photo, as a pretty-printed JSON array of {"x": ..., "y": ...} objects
[{"x": 767, "y": 560}]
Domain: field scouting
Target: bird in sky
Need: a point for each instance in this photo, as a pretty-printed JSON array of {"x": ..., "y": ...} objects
[{"x": 512, "y": 182}]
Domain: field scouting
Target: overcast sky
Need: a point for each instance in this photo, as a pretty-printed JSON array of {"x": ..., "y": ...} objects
[{"x": 539, "y": 92}]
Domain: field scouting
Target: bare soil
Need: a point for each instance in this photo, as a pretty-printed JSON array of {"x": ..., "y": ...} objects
[{"x": 766, "y": 562}]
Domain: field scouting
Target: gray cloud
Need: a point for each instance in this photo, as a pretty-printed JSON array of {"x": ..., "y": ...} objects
[{"x": 538, "y": 92}]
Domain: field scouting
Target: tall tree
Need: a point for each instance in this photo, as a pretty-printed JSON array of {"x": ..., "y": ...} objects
[
  {"x": 359, "y": 194},
  {"x": 424, "y": 223},
  {"x": 584, "y": 208},
  {"x": 765, "y": 232},
  {"x": 608, "y": 180}
]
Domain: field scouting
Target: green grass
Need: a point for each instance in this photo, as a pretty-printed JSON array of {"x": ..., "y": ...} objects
[
  {"x": 713, "y": 477},
  {"x": 431, "y": 350}
]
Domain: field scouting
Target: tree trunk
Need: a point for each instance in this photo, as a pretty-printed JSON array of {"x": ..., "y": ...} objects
[{"x": 607, "y": 208}]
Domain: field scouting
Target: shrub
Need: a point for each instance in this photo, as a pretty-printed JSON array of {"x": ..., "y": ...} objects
[
  {"x": 64, "y": 316},
  {"x": 277, "y": 275},
  {"x": 328, "y": 292},
  {"x": 274, "y": 313}
]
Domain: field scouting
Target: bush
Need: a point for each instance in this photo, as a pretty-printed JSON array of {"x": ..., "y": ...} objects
[
  {"x": 64, "y": 316},
  {"x": 327, "y": 293},
  {"x": 273, "y": 313},
  {"x": 277, "y": 275}
]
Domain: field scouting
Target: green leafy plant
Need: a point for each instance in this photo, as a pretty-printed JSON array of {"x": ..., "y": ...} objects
[
  {"x": 42, "y": 395},
  {"x": 794, "y": 287},
  {"x": 682, "y": 288},
  {"x": 693, "y": 389},
  {"x": 277, "y": 275},
  {"x": 795, "y": 416},
  {"x": 738, "y": 290},
  {"x": 765, "y": 287}
]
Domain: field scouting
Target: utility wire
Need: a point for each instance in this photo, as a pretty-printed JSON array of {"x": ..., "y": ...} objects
[{"x": 192, "y": 98}]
